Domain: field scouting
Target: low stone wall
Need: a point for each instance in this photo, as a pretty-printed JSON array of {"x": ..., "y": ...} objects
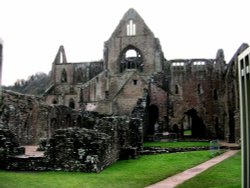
[
  {"x": 160, "y": 150},
  {"x": 92, "y": 150},
  {"x": 26, "y": 163},
  {"x": 76, "y": 149}
]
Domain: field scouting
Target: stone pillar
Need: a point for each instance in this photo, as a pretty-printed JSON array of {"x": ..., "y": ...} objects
[{"x": 244, "y": 86}]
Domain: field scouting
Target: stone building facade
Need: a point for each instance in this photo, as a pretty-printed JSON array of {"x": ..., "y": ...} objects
[{"x": 199, "y": 95}]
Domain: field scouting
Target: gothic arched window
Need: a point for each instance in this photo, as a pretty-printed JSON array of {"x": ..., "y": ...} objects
[
  {"x": 64, "y": 76},
  {"x": 131, "y": 59}
]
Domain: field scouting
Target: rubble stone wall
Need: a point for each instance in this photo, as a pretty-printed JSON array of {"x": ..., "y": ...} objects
[
  {"x": 76, "y": 140},
  {"x": 24, "y": 115},
  {"x": 9, "y": 146}
]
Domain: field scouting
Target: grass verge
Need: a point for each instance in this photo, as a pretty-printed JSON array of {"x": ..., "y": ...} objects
[
  {"x": 226, "y": 174},
  {"x": 128, "y": 173}
]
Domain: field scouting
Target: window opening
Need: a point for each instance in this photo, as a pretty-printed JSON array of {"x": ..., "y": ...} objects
[
  {"x": 61, "y": 57},
  {"x": 178, "y": 66},
  {"x": 131, "y": 59},
  {"x": 54, "y": 101},
  {"x": 131, "y": 28},
  {"x": 71, "y": 90},
  {"x": 199, "y": 65},
  {"x": 176, "y": 89},
  {"x": 215, "y": 94},
  {"x": 72, "y": 103},
  {"x": 199, "y": 89},
  {"x": 64, "y": 76},
  {"x": 106, "y": 94},
  {"x": 135, "y": 82}
]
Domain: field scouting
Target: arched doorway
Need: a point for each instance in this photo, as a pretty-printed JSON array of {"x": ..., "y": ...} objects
[
  {"x": 193, "y": 124},
  {"x": 153, "y": 115}
]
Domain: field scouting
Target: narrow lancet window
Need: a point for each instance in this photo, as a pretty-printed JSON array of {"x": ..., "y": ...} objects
[
  {"x": 64, "y": 76},
  {"x": 176, "y": 89},
  {"x": 131, "y": 28}
]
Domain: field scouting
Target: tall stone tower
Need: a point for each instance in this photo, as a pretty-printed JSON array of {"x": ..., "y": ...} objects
[{"x": 131, "y": 56}]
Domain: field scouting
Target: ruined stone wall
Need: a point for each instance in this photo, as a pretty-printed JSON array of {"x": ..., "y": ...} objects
[
  {"x": 127, "y": 96},
  {"x": 94, "y": 90},
  {"x": 99, "y": 142},
  {"x": 196, "y": 84},
  {"x": 76, "y": 72},
  {"x": 231, "y": 98},
  {"x": 80, "y": 150},
  {"x": 67, "y": 79},
  {"x": 9, "y": 145},
  {"x": 159, "y": 97},
  {"x": 90, "y": 143},
  {"x": 25, "y": 116}
]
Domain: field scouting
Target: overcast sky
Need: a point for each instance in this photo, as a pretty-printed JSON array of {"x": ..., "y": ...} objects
[{"x": 33, "y": 30}]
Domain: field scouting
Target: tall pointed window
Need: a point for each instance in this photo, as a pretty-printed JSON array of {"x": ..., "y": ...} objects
[
  {"x": 131, "y": 28},
  {"x": 64, "y": 76}
]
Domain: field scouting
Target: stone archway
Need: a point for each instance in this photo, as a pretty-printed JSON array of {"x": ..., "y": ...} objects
[
  {"x": 194, "y": 123},
  {"x": 153, "y": 116}
]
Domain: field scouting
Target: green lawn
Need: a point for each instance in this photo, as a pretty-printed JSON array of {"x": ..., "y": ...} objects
[
  {"x": 123, "y": 174},
  {"x": 187, "y": 132},
  {"x": 177, "y": 144},
  {"x": 226, "y": 174}
]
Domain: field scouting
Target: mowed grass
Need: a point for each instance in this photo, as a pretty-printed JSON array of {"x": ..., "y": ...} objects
[
  {"x": 226, "y": 174},
  {"x": 177, "y": 144},
  {"x": 137, "y": 173}
]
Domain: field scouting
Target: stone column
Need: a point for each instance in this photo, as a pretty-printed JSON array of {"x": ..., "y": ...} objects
[{"x": 244, "y": 88}]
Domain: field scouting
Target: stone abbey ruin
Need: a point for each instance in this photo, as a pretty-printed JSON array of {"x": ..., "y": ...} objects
[{"x": 95, "y": 113}]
